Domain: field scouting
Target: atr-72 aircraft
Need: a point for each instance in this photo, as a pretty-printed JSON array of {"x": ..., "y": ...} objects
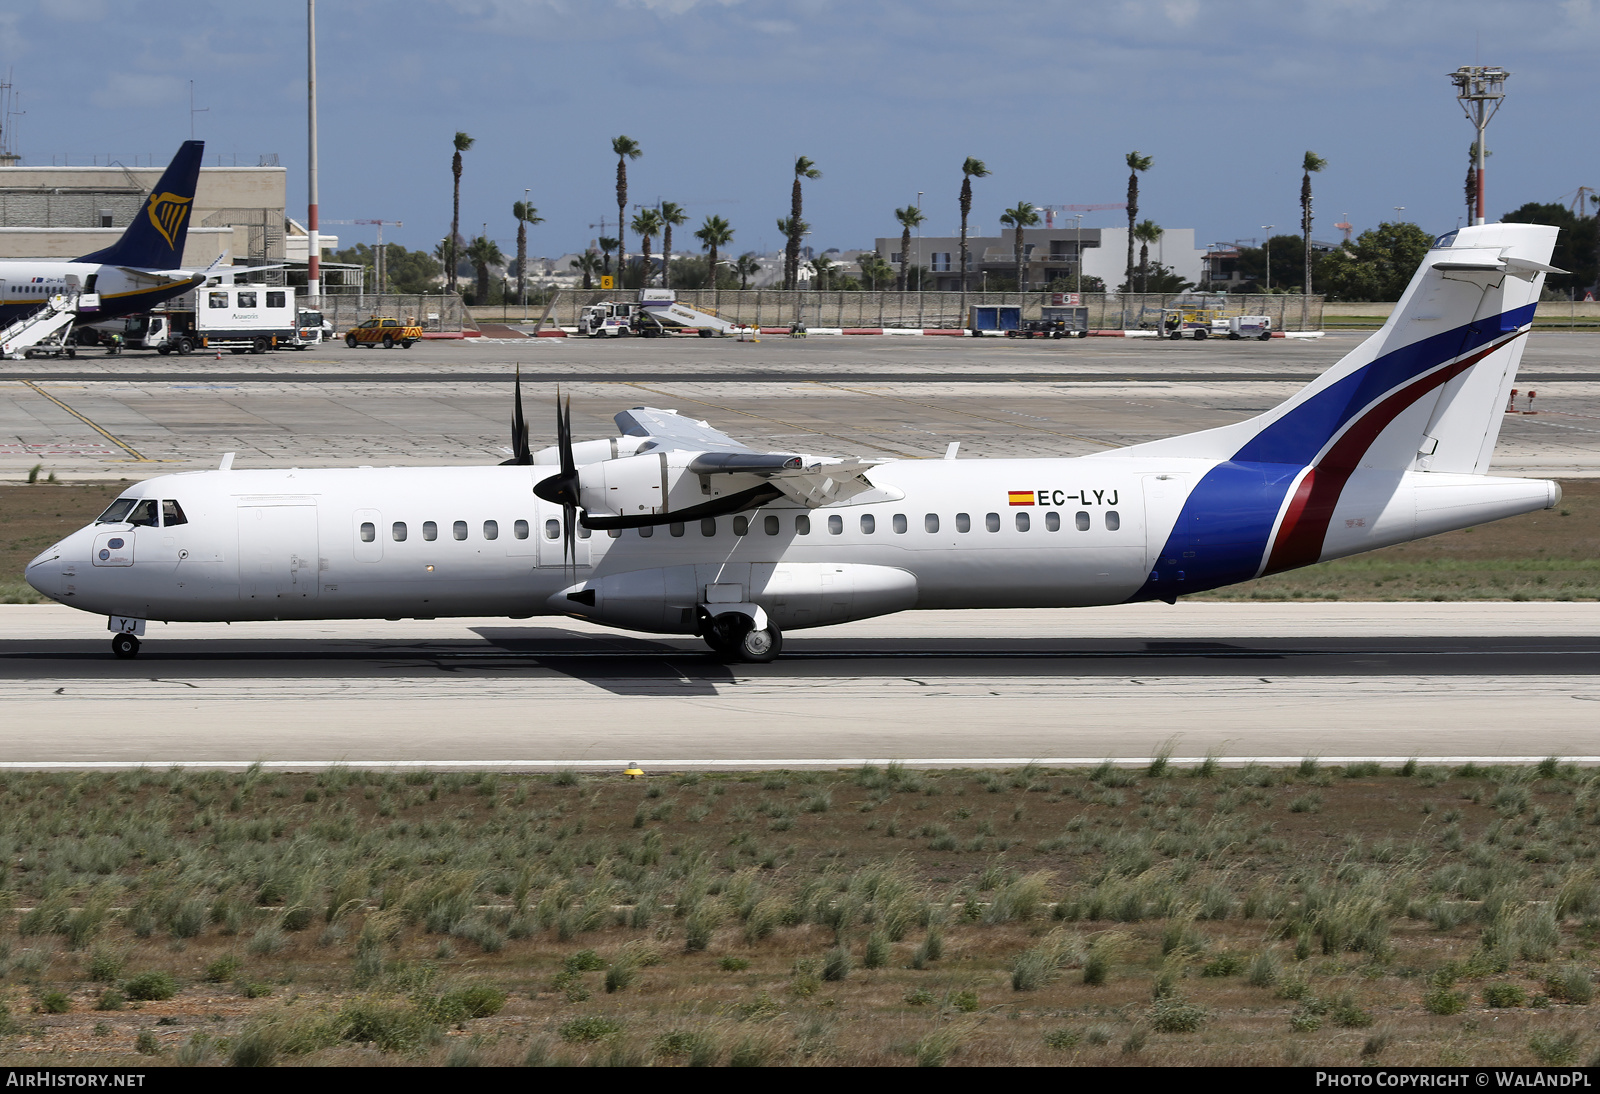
[
  {"x": 695, "y": 533},
  {"x": 137, "y": 272}
]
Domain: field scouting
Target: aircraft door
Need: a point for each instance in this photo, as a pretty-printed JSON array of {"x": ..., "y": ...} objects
[
  {"x": 1164, "y": 496},
  {"x": 278, "y": 551}
]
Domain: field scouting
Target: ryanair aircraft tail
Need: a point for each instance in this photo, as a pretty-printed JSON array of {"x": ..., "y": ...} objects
[
  {"x": 1392, "y": 443},
  {"x": 155, "y": 239}
]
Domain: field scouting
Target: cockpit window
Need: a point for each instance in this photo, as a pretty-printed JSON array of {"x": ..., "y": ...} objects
[
  {"x": 172, "y": 514},
  {"x": 117, "y": 511},
  {"x": 144, "y": 513}
]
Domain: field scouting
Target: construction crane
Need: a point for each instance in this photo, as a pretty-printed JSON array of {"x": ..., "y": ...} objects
[
  {"x": 380, "y": 257},
  {"x": 1346, "y": 227},
  {"x": 1577, "y": 203},
  {"x": 1050, "y": 211}
]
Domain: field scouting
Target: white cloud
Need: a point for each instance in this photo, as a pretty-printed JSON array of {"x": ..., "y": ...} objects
[{"x": 137, "y": 89}]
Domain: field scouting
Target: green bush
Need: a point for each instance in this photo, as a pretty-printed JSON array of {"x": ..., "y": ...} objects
[
  {"x": 921, "y": 997},
  {"x": 1442, "y": 1000},
  {"x": 223, "y": 969},
  {"x": 733, "y": 964},
  {"x": 838, "y": 964},
  {"x": 1503, "y": 995},
  {"x": 1062, "y": 1038},
  {"x": 1224, "y": 964},
  {"x": 1571, "y": 984},
  {"x": 110, "y": 999},
  {"x": 876, "y": 955},
  {"x": 1174, "y": 1014},
  {"x": 589, "y": 1029},
  {"x": 1555, "y": 1049},
  {"x": 1347, "y": 1014},
  {"x": 1302, "y": 1022},
  {"x": 105, "y": 966},
  {"x": 150, "y": 986},
  {"x": 146, "y": 1044},
  {"x": 966, "y": 1001},
  {"x": 54, "y": 1002}
]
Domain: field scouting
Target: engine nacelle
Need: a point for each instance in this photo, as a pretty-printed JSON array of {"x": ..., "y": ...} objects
[
  {"x": 795, "y": 595},
  {"x": 656, "y": 487}
]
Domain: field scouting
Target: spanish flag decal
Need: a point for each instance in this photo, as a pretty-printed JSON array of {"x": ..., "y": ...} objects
[{"x": 1022, "y": 497}]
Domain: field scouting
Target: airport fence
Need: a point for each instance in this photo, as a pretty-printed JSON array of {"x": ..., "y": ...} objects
[
  {"x": 931, "y": 310},
  {"x": 444, "y": 312}
]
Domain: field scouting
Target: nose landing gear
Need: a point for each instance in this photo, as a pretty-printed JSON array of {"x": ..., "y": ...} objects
[{"x": 125, "y": 646}]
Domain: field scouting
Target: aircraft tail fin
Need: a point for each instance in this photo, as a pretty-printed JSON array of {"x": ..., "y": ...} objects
[
  {"x": 1426, "y": 392},
  {"x": 156, "y": 237}
]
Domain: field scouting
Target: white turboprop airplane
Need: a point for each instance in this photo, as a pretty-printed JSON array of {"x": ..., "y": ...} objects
[
  {"x": 135, "y": 273},
  {"x": 699, "y": 534}
]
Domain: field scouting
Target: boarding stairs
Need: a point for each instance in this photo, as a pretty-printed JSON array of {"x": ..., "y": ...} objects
[
  {"x": 53, "y": 321},
  {"x": 688, "y": 315}
]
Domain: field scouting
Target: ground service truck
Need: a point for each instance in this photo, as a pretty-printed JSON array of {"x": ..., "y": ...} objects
[{"x": 238, "y": 318}]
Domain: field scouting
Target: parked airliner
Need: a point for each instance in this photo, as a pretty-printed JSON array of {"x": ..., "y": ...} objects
[
  {"x": 140, "y": 270},
  {"x": 672, "y": 527}
]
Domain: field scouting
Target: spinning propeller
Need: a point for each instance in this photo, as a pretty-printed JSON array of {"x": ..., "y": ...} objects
[
  {"x": 562, "y": 488},
  {"x": 520, "y": 452}
]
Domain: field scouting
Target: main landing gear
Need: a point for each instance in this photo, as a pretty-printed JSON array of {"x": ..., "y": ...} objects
[
  {"x": 125, "y": 646},
  {"x": 735, "y": 637}
]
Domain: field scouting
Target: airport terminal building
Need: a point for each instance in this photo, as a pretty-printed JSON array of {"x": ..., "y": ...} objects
[{"x": 1049, "y": 254}]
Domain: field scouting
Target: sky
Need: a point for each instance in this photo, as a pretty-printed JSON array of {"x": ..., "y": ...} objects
[{"x": 887, "y": 97}]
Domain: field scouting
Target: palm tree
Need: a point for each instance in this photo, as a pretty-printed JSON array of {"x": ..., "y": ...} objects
[
  {"x": 588, "y": 263},
  {"x": 970, "y": 169},
  {"x": 526, "y": 214},
  {"x": 462, "y": 144},
  {"x": 671, "y": 214},
  {"x": 746, "y": 267},
  {"x": 1312, "y": 162},
  {"x": 1136, "y": 164},
  {"x": 826, "y": 268},
  {"x": 626, "y": 149},
  {"x": 648, "y": 225},
  {"x": 483, "y": 252},
  {"x": 794, "y": 230},
  {"x": 607, "y": 245},
  {"x": 909, "y": 218},
  {"x": 1147, "y": 232},
  {"x": 874, "y": 269},
  {"x": 714, "y": 234},
  {"x": 803, "y": 169},
  {"x": 1023, "y": 216}
]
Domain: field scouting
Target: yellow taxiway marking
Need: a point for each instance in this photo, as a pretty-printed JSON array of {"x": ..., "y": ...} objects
[{"x": 138, "y": 456}]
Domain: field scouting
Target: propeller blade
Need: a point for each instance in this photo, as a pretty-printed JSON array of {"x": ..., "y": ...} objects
[
  {"x": 521, "y": 451},
  {"x": 563, "y": 488}
]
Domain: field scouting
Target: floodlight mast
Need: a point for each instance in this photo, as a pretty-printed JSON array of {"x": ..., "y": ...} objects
[{"x": 1480, "y": 89}]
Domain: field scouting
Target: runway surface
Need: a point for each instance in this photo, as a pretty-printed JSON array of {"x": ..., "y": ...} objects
[
  {"x": 135, "y": 416},
  {"x": 1244, "y": 681}
]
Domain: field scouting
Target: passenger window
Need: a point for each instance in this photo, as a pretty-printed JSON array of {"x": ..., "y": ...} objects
[
  {"x": 491, "y": 529},
  {"x": 247, "y": 300},
  {"x": 1052, "y": 522},
  {"x": 963, "y": 522},
  {"x": 770, "y": 524},
  {"x": 930, "y": 523},
  {"x": 144, "y": 514},
  {"x": 992, "y": 522},
  {"x": 459, "y": 529},
  {"x": 676, "y": 529},
  {"x": 1082, "y": 521},
  {"x": 741, "y": 525},
  {"x": 1023, "y": 523},
  {"x": 900, "y": 525},
  {"x": 172, "y": 514},
  {"x": 835, "y": 524},
  {"x": 708, "y": 526},
  {"x": 802, "y": 525},
  {"x": 519, "y": 529},
  {"x": 647, "y": 531},
  {"x": 369, "y": 531},
  {"x": 274, "y": 300},
  {"x": 216, "y": 299},
  {"x": 398, "y": 531},
  {"x": 868, "y": 524},
  {"x": 552, "y": 529},
  {"x": 430, "y": 530},
  {"x": 1113, "y": 522}
]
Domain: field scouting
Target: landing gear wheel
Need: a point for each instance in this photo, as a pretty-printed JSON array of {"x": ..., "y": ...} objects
[
  {"x": 125, "y": 646},
  {"x": 760, "y": 646}
]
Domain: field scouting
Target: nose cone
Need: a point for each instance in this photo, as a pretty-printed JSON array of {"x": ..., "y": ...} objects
[{"x": 50, "y": 571}]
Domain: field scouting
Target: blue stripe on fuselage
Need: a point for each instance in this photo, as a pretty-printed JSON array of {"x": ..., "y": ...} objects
[{"x": 1222, "y": 534}]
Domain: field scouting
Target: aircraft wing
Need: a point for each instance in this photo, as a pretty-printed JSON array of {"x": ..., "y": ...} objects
[
  {"x": 669, "y": 430},
  {"x": 162, "y": 275}
]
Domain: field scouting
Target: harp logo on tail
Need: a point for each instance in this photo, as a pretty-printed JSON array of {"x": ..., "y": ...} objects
[{"x": 167, "y": 211}]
